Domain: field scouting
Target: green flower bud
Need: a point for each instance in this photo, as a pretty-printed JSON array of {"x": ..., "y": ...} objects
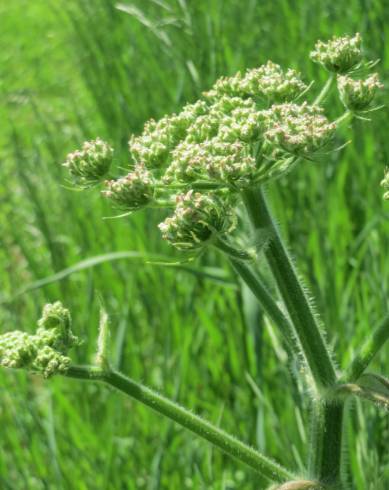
[
  {"x": 212, "y": 160},
  {"x": 357, "y": 95},
  {"x": 229, "y": 118},
  {"x": 204, "y": 127},
  {"x": 152, "y": 147},
  {"x": 385, "y": 184},
  {"x": 46, "y": 351},
  {"x": 54, "y": 315},
  {"x": 230, "y": 86},
  {"x": 49, "y": 361},
  {"x": 132, "y": 192},
  {"x": 269, "y": 81},
  {"x": 298, "y": 129},
  {"x": 55, "y": 328},
  {"x": 90, "y": 164},
  {"x": 196, "y": 220},
  {"x": 244, "y": 124},
  {"x": 230, "y": 163},
  {"x": 17, "y": 349},
  {"x": 339, "y": 54}
]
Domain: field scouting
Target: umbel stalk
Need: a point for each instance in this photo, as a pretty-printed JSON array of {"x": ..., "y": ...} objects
[{"x": 313, "y": 347}]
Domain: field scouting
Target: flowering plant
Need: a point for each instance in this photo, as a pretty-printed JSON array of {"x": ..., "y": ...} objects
[{"x": 202, "y": 165}]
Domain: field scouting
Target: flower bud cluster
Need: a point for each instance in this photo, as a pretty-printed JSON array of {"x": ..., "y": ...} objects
[
  {"x": 248, "y": 129},
  {"x": 152, "y": 147},
  {"x": 357, "y": 95},
  {"x": 228, "y": 118},
  {"x": 298, "y": 129},
  {"x": 213, "y": 160},
  {"x": 269, "y": 81},
  {"x": 385, "y": 184},
  {"x": 339, "y": 54},
  {"x": 45, "y": 351},
  {"x": 196, "y": 219},
  {"x": 90, "y": 164},
  {"x": 133, "y": 191}
]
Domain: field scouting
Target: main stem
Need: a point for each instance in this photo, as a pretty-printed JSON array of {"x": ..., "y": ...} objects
[
  {"x": 326, "y": 442},
  {"x": 327, "y": 416},
  {"x": 307, "y": 330},
  {"x": 185, "y": 418}
]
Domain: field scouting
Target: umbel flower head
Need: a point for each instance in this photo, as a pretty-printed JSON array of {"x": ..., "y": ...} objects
[
  {"x": 357, "y": 95},
  {"x": 197, "y": 219},
  {"x": 385, "y": 184},
  {"x": 246, "y": 130},
  {"x": 90, "y": 164},
  {"x": 269, "y": 81},
  {"x": 133, "y": 191},
  {"x": 152, "y": 147},
  {"x": 212, "y": 159},
  {"x": 339, "y": 54},
  {"x": 44, "y": 352},
  {"x": 298, "y": 129}
]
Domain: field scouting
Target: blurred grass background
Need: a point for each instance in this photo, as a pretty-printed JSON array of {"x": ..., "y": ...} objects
[{"x": 73, "y": 70}]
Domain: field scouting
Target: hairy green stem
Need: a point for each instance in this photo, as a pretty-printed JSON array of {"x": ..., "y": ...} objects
[
  {"x": 326, "y": 443},
  {"x": 231, "y": 251},
  {"x": 367, "y": 352},
  {"x": 311, "y": 341},
  {"x": 227, "y": 443}
]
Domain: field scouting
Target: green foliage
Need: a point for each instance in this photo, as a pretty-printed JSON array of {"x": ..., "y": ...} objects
[{"x": 76, "y": 69}]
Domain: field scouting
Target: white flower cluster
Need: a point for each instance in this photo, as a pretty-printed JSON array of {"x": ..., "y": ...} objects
[
  {"x": 298, "y": 129},
  {"x": 385, "y": 184},
  {"x": 152, "y": 147},
  {"x": 269, "y": 81},
  {"x": 90, "y": 164},
  {"x": 213, "y": 160},
  {"x": 196, "y": 220},
  {"x": 246, "y": 130},
  {"x": 133, "y": 191},
  {"x": 228, "y": 118},
  {"x": 45, "y": 351},
  {"x": 339, "y": 54},
  {"x": 357, "y": 95}
]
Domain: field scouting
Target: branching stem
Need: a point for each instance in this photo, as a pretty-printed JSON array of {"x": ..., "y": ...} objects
[{"x": 228, "y": 444}]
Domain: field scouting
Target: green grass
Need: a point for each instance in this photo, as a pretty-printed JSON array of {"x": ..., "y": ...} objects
[{"x": 72, "y": 70}]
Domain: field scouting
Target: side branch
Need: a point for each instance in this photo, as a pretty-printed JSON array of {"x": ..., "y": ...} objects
[
  {"x": 367, "y": 352},
  {"x": 222, "y": 440},
  {"x": 267, "y": 302}
]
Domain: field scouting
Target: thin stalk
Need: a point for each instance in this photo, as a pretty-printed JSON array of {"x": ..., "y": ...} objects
[
  {"x": 367, "y": 352},
  {"x": 260, "y": 291},
  {"x": 324, "y": 91},
  {"x": 228, "y": 444},
  {"x": 231, "y": 251},
  {"x": 307, "y": 330},
  {"x": 326, "y": 443},
  {"x": 341, "y": 119}
]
